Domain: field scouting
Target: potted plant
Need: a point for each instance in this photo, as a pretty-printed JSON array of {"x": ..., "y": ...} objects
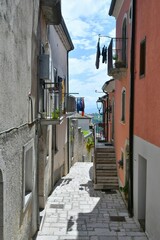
[{"x": 55, "y": 114}]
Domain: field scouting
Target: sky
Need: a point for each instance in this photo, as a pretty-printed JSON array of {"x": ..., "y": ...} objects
[{"x": 85, "y": 20}]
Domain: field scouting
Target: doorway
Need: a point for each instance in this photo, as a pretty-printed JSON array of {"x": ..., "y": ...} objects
[{"x": 142, "y": 182}]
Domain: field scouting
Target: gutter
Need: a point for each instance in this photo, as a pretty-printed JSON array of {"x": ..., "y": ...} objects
[{"x": 131, "y": 119}]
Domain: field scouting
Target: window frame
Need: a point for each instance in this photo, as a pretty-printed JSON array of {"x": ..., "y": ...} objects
[
  {"x": 27, "y": 196},
  {"x": 123, "y": 105},
  {"x": 142, "y": 58}
]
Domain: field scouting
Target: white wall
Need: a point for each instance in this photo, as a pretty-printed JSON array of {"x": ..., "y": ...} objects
[{"x": 147, "y": 156}]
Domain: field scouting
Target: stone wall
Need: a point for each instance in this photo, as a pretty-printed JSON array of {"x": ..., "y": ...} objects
[{"x": 78, "y": 150}]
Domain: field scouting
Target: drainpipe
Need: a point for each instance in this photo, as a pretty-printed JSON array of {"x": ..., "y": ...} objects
[{"x": 131, "y": 119}]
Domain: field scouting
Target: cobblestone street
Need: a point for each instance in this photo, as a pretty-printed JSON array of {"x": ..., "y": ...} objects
[{"x": 75, "y": 210}]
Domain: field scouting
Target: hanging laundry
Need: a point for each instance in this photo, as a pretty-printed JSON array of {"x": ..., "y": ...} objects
[
  {"x": 98, "y": 54},
  {"x": 80, "y": 105},
  {"x": 104, "y": 54}
]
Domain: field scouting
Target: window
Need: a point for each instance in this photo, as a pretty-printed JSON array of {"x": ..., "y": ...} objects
[
  {"x": 28, "y": 171},
  {"x": 123, "y": 105},
  {"x": 142, "y": 57},
  {"x": 124, "y": 39},
  {"x": 54, "y": 139}
]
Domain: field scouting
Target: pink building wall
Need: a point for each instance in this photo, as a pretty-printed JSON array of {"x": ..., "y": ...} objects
[
  {"x": 147, "y": 88},
  {"x": 122, "y": 129}
]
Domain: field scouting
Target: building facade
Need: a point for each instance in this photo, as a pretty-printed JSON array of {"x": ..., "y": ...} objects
[
  {"x": 119, "y": 69},
  {"x": 141, "y": 108},
  {"x": 34, "y": 48},
  {"x": 18, "y": 138}
]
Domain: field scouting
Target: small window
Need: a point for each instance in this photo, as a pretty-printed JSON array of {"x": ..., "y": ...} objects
[
  {"x": 54, "y": 139},
  {"x": 142, "y": 57},
  {"x": 123, "y": 105},
  {"x": 28, "y": 177}
]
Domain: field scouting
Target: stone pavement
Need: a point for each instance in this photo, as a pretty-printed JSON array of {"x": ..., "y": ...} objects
[{"x": 75, "y": 210}]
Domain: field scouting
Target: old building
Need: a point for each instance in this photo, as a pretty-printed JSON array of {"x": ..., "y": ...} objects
[
  {"x": 18, "y": 130},
  {"x": 34, "y": 103},
  {"x": 136, "y": 101}
]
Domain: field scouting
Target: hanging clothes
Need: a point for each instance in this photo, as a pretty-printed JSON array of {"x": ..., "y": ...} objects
[
  {"x": 80, "y": 105},
  {"x": 104, "y": 54},
  {"x": 98, "y": 54}
]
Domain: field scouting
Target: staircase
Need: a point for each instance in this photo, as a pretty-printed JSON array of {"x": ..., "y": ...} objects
[{"x": 105, "y": 169}]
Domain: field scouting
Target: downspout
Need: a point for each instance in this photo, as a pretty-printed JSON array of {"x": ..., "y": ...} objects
[{"x": 131, "y": 118}]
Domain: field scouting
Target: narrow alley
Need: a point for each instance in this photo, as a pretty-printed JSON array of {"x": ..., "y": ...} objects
[{"x": 75, "y": 210}]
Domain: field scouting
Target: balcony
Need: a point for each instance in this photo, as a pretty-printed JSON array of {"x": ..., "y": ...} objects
[
  {"x": 51, "y": 103},
  {"x": 117, "y": 62},
  {"x": 52, "y": 11},
  {"x": 54, "y": 103}
]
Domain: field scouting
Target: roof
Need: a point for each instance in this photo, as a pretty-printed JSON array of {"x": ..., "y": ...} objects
[
  {"x": 64, "y": 35},
  {"x": 112, "y": 7},
  {"x": 79, "y": 116}
]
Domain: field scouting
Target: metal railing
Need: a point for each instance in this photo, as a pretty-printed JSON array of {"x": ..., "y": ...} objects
[{"x": 117, "y": 54}]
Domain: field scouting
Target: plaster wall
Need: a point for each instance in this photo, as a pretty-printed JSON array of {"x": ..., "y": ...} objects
[
  {"x": 18, "y": 223},
  {"x": 147, "y": 114},
  {"x": 121, "y": 128},
  {"x": 17, "y": 49},
  {"x": 60, "y": 157},
  {"x": 145, "y": 151},
  {"x": 84, "y": 123},
  {"x": 18, "y": 78},
  {"x": 59, "y": 53}
]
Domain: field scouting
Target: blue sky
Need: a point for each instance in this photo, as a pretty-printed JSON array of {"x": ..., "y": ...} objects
[{"x": 85, "y": 20}]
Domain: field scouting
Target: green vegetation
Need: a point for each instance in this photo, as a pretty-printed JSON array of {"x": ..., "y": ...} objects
[
  {"x": 85, "y": 132},
  {"x": 55, "y": 114},
  {"x": 89, "y": 143}
]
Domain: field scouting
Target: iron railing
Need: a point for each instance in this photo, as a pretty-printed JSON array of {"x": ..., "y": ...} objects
[{"x": 117, "y": 54}]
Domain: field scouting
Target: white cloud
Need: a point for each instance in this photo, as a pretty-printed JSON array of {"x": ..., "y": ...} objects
[{"x": 85, "y": 20}]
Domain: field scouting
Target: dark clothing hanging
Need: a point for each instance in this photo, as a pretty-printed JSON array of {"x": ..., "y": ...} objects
[
  {"x": 104, "y": 54},
  {"x": 98, "y": 54}
]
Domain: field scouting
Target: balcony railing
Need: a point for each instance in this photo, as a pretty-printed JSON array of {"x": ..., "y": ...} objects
[
  {"x": 117, "y": 61},
  {"x": 53, "y": 103}
]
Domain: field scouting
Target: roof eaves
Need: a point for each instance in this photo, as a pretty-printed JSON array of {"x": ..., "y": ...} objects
[{"x": 112, "y": 7}]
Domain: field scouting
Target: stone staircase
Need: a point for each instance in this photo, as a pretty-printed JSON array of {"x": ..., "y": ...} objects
[{"x": 105, "y": 169}]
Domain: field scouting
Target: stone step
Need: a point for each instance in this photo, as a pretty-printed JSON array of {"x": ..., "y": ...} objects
[
  {"x": 106, "y": 166},
  {"x": 106, "y": 173},
  {"x": 98, "y": 150},
  {"x": 107, "y": 179},
  {"x": 99, "y": 186},
  {"x": 106, "y": 161}
]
